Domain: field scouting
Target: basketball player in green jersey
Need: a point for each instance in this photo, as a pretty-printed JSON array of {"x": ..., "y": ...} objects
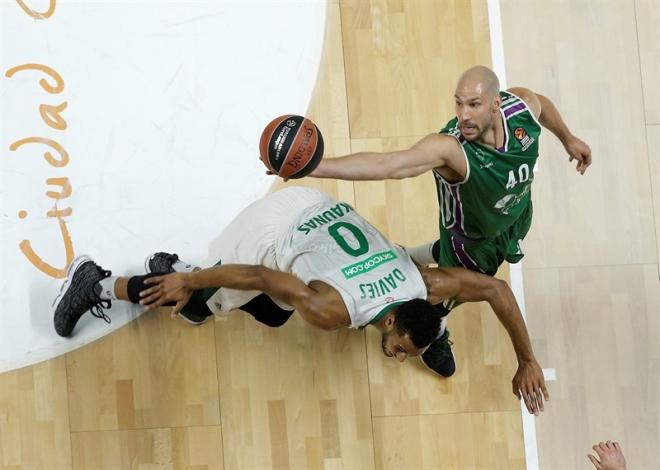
[{"x": 483, "y": 162}]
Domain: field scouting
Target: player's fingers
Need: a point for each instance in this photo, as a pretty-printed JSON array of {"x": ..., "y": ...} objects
[
  {"x": 178, "y": 307},
  {"x": 539, "y": 399},
  {"x": 153, "y": 280},
  {"x": 546, "y": 395},
  {"x": 535, "y": 398},
  {"x": 594, "y": 461},
  {"x": 516, "y": 391},
  {"x": 153, "y": 301},
  {"x": 528, "y": 403},
  {"x": 151, "y": 290},
  {"x": 617, "y": 446}
]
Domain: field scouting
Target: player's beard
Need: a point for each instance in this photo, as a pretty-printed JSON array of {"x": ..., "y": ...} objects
[{"x": 479, "y": 128}]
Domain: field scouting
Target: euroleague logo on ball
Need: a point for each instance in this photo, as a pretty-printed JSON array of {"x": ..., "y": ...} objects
[{"x": 291, "y": 146}]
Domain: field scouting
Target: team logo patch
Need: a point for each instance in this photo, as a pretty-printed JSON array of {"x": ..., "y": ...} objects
[{"x": 521, "y": 136}]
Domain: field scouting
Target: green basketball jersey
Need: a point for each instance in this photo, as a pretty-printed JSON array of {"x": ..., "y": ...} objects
[{"x": 496, "y": 190}]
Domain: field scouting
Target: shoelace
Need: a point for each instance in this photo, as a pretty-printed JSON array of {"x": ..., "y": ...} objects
[{"x": 97, "y": 309}]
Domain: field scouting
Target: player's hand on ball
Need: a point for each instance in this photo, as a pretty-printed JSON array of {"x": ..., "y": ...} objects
[
  {"x": 291, "y": 146},
  {"x": 272, "y": 173},
  {"x": 165, "y": 289}
]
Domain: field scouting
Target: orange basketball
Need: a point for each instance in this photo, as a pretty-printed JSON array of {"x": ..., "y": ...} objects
[{"x": 291, "y": 146}]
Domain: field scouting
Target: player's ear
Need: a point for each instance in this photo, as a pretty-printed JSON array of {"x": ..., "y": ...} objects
[
  {"x": 390, "y": 319},
  {"x": 497, "y": 101}
]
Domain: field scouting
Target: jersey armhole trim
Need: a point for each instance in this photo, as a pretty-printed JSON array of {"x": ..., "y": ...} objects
[
  {"x": 467, "y": 164},
  {"x": 529, "y": 110}
]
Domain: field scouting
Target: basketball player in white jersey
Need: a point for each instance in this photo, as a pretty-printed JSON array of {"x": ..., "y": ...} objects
[{"x": 299, "y": 249}]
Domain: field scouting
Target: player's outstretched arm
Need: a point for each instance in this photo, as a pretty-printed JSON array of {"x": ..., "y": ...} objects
[
  {"x": 287, "y": 288},
  {"x": 433, "y": 151},
  {"x": 550, "y": 118},
  {"x": 468, "y": 286}
]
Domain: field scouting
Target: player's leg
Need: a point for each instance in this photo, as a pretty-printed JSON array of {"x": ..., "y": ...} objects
[
  {"x": 90, "y": 288},
  {"x": 451, "y": 252},
  {"x": 266, "y": 311},
  {"x": 257, "y": 236},
  {"x": 196, "y": 310},
  {"x": 425, "y": 254}
]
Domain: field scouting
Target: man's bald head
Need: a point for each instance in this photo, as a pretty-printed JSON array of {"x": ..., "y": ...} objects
[
  {"x": 479, "y": 79},
  {"x": 477, "y": 102}
]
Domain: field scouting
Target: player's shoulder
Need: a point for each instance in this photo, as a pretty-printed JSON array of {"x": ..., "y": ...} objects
[
  {"x": 516, "y": 95},
  {"x": 442, "y": 146}
]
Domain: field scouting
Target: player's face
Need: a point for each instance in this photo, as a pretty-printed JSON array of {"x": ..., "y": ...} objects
[
  {"x": 475, "y": 110},
  {"x": 399, "y": 347}
]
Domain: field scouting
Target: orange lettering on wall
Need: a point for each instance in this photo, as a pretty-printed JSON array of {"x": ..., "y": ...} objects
[
  {"x": 64, "y": 192},
  {"x": 48, "y": 156},
  {"x": 59, "y": 83},
  {"x": 35, "y": 14},
  {"x": 51, "y": 115},
  {"x": 59, "y": 213},
  {"x": 40, "y": 264}
]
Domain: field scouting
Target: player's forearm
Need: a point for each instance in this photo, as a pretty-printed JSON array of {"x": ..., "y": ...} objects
[
  {"x": 232, "y": 276},
  {"x": 506, "y": 308},
  {"x": 356, "y": 167},
  {"x": 552, "y": 120},
  {"x": 280, "y": 286}
]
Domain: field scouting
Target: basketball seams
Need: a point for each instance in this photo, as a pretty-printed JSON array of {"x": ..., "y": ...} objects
[{"x": 297, "y": 144}]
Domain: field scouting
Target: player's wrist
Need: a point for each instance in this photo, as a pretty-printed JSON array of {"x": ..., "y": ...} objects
[
  {"x": 526, "y": 359},
  {"x": 190, "y": 280}
]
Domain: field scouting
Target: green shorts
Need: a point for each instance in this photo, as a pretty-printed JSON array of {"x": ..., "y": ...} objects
[{"x": 486, "y": 255}]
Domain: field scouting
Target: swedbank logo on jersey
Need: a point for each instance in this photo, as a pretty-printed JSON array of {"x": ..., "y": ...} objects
[
  {"x": 521, "y": 136},
  {"x": 368, "y": 264}
]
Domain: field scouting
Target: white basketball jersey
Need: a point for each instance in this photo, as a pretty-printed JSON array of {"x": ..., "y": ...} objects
[{"x": 330, "y": 242}]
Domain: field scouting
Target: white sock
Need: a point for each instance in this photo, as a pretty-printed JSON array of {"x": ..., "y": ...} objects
[
  {"x": 422, "y": 254},
  {"x": 107, "y": 290},
  {"x": 183, "y": 267}
]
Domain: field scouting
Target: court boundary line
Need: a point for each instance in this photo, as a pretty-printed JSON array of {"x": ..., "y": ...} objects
[{"x": 515, "y": 270}]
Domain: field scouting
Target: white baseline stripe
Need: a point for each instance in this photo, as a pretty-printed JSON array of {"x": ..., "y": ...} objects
[
  {"x": 515, "y": 270},
  {"x": 496, "y": 41},
  {"x": 528, "y": 424}
]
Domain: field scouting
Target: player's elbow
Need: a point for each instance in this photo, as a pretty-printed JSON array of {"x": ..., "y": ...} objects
[{"x": 498, "y": 292}]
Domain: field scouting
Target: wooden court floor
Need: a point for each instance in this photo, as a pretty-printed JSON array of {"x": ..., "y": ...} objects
[{"x": 233, "y": 394}]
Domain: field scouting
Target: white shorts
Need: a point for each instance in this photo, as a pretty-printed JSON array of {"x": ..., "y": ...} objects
[{"x": 254, "y": 237}]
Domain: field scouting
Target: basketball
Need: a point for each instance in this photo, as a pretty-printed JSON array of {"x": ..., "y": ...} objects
[{"x": 291, "y": 146}]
